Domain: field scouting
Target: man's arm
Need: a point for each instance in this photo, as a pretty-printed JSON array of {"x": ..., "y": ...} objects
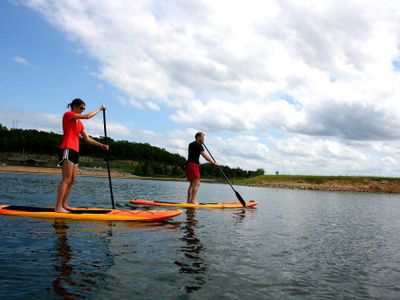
[{"x": 208, "y": 158}]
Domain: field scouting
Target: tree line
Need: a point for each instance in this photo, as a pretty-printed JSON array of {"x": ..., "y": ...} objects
[{"x": 146, "y": 160}]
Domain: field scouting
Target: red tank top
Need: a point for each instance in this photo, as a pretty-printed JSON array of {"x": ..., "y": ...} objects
[{"x": 72, "y": 129}]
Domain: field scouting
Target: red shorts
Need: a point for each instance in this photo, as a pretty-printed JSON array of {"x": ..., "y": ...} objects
[{"x": 192, "y": 171}]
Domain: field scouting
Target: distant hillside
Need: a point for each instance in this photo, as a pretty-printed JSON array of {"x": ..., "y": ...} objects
[{"x": 20, "y": 146}]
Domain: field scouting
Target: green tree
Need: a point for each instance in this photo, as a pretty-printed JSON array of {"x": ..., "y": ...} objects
[{"x": 151, "y": 160}]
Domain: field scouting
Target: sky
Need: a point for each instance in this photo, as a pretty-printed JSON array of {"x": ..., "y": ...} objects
[{"x": 299, "y": 87}]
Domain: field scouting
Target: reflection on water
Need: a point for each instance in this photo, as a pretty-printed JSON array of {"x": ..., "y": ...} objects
[
  {"x": 192, "y": 263},
  {"x": 77, "y": 272},
  {"x": 63, "y": 281},
  {"x": 239, "y": 215}
]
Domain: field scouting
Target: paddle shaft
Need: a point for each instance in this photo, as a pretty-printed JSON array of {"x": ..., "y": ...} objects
[
  {"x": 107, "y": 160},
  {"x": 241, "y": 200}
]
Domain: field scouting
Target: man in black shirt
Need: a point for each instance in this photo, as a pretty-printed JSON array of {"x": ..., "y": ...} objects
[{"x": 195, "y": 149}]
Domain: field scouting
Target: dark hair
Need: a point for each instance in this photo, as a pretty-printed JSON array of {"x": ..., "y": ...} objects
[
  {"x": 76, "y": 102},
  {"x": 198, "y": 134}
]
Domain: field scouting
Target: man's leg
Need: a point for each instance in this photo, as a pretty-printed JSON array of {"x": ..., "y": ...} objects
[{"x": 192, "y": 190}]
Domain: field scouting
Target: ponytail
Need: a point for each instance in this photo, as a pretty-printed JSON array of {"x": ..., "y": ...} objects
[{"x": 76, "y": 102}]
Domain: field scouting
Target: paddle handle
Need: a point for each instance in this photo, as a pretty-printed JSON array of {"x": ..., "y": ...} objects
[{"x": 107, "y": 160}]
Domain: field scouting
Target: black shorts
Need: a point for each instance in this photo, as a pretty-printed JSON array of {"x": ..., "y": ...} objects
[{"x": 68, "y": 154}]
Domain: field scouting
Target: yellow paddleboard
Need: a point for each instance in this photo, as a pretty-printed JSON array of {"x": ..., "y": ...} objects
[{"x": 197, "y": 205}]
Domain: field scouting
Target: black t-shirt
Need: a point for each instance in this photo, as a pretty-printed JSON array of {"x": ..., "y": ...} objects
[{"x": 194, "y": 151}]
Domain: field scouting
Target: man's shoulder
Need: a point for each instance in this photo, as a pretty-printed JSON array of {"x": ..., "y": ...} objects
[{"x": 196, "y": 145}]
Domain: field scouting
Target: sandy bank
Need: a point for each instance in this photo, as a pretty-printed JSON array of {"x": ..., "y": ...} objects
[
  {"x": 367, "y": 186},
  {"x": 81, "y": 172}
]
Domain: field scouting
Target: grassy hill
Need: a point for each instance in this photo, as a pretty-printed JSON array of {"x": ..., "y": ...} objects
[{"x": 326, "y": 183}]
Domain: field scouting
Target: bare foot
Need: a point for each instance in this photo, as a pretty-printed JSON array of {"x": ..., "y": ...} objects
[
  {"x": 67, "y": 207},
  {"x": 61, "y": 210}
]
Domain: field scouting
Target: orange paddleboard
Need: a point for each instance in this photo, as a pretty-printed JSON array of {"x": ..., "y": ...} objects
[{"x": 90, "y": 213}]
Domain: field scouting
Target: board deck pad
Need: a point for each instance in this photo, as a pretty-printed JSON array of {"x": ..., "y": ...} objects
[
  {"x": 215, "y": 205},
  {"x": 90, "y": 213},
  {"x": 51, "y": 209}
]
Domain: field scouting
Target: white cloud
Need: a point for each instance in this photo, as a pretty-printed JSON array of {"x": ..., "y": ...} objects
[
  {"x": 321, "y": 71},
  {"x": 53, "y": 123},
  {"x": 328, "y": 56},
  {"x": 152, "y": 105},
  {"x": 22, "y": 61},
  {"x": 297, "y": 154}
]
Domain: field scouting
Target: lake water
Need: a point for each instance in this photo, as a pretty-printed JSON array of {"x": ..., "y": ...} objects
[{"x": 294, "y": 245}]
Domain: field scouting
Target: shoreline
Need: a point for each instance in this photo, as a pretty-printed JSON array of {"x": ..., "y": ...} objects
[
  {"x": 57, "y": 171},
  {"x": 333, "y": 187},
  {"x": 327, "y": 183},
  {"x": 322, "y": 183},
  {"x": 85, "y": 172}
]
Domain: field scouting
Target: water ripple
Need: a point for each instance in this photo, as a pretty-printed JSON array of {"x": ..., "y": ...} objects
[{"x": 294, "y": 245}]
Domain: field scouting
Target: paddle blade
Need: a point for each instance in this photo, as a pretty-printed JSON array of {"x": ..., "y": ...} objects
[{"x": 241, "y": 200}]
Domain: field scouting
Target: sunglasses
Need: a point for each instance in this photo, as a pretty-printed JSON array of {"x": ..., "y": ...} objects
[{"x": 82, "y": 108}]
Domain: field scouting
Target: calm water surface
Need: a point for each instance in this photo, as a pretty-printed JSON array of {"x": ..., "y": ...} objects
[{"x": 294, "y": 245}]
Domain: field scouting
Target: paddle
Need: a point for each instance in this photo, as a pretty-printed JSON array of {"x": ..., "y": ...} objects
[
  {"x": 241, "y": 200},
  {"x": 107, "y": 160}
]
